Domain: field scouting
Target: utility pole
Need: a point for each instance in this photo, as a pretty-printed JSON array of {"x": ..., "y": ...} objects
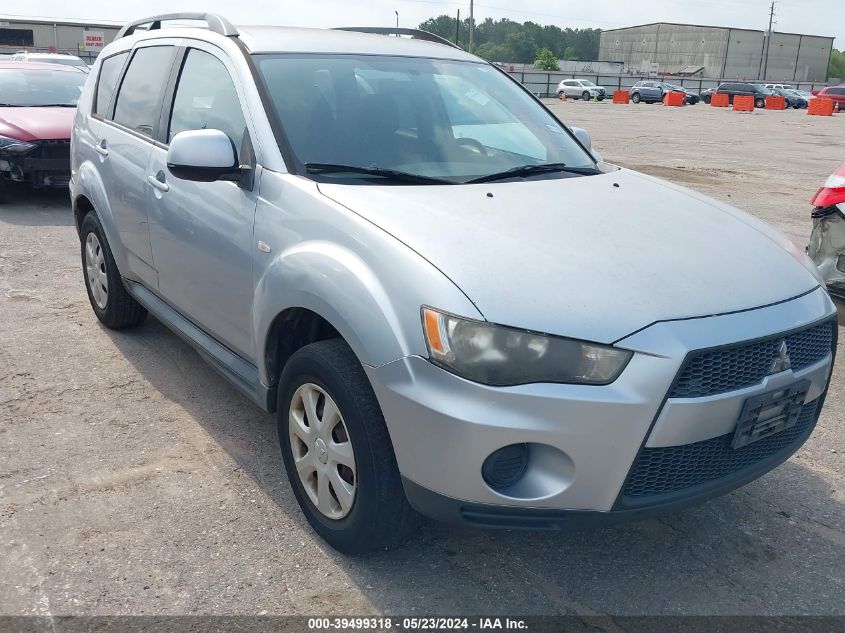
[
  {"x": 458, "y": 30},
  {"x": 768, "y": 42},
  {"x": 471, "y": 26},
  {"x": 397, "y": 18}
]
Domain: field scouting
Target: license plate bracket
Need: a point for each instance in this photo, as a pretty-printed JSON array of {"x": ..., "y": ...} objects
[{"x": 769, "y": 413}]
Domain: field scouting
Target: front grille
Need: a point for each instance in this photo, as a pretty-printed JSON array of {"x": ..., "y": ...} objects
[
  {"x": 710, "y": 372},
  {"x": 58, "y": 149},
  {"x": 669, "y": 469}
]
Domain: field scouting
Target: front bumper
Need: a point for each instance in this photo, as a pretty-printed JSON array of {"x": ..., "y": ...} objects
[
  {"x": 48, "y": 165},
  {"x": 583, "y": 440}
]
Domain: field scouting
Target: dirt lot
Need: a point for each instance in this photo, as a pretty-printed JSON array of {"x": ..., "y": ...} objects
[{"x": 133, "y": 479}]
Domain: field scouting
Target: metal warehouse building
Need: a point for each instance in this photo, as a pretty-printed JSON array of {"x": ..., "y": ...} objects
[
  {"x": 712, "y": 51},
  {"x": 85, "y": 39}
]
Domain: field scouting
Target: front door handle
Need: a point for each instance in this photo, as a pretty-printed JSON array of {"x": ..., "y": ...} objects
[
  {"x": 158, "y": 181},
  {"x": 102, "y": 148}
]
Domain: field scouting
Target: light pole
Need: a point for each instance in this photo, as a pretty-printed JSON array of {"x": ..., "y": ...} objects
[{"x": 397, "y": 18}]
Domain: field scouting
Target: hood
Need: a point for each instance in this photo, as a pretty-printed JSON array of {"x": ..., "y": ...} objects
[
  {"x": 36, "y": 124},
  {"x": 583, "y": 257}
]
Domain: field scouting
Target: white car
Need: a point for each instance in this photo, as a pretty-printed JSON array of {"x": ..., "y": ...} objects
[
  {"x": 52, "y": 58},
  {"x": 780, "y": 87},
  {"x": 581, "y": 89}
]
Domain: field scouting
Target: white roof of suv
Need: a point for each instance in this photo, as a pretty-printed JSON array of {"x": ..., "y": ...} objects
[
  {"x": 278, "y": 39},
  {"x": 269, "y": 39}
]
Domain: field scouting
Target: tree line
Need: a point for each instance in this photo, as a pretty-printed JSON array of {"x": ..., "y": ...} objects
[{"x": 508, "y": 41}]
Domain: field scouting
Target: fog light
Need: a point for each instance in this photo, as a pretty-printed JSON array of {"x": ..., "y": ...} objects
[{"x": 505, "y": 466}]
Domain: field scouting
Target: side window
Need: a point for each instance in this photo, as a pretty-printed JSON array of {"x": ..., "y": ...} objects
[
  {"x": 206, "y": 99},
  {"x": 139, "y": 99},
  {"x": 107, "y": 81}
]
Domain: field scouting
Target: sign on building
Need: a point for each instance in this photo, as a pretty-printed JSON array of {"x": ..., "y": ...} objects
[{"x": 94, "y": 40}]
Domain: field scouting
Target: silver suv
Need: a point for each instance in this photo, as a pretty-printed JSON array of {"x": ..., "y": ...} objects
[{"x": 451, "y": 306}]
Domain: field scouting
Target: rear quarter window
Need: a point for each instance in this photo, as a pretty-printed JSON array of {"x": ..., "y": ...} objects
[{"x": 106, "y": 82}]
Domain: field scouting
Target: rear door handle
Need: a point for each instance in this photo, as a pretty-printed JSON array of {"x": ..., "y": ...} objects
[{"x": 158, "y": 182}]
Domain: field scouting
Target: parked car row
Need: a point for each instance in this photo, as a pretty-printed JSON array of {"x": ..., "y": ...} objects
[{"x": 794, "y": 98}]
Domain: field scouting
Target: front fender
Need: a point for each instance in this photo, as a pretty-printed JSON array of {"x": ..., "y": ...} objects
[{"x": 362, "y": 280}]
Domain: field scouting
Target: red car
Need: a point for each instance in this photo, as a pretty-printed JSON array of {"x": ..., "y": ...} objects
[
  {"x": 37, "y": 106},
  {"x": 834, "y": 93}
]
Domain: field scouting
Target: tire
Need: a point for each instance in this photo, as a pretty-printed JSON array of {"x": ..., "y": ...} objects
[
  {"x": 600, "y": 98},
  {"x": 117, "y": 309},
  {"x": 560, "y": 94},
  {"x": 378, "y": 515},
  {"x": 2, "y": 189},
  {"x": 706, "y": 100},
  {"x": 635, "y": 98},
  {"x": 760, "y": 103},
  {"x": 585, "y": 95}
]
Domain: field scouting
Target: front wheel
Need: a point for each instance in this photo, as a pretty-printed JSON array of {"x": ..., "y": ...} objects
[
  {"x": 706, "y": 100},
  {"x": 760, "y": 103},
  {"x": 585, "y": 95},
  {"x": 635, "y": 97},
  {"x": 337, "y": 451}
]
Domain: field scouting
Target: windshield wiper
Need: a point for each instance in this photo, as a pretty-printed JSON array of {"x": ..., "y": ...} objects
[
  {"x": 53, "y": 105},
  {"x": 530, "y": 170},
  {"x": 390, "y": 174}
]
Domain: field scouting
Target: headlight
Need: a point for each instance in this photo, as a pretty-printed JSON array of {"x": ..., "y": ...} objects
[
  {"x": 14, "y": 146},
  {"x": 502, "y": 356}
]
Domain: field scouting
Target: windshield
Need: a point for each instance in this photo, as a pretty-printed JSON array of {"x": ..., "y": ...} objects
[
  {"x": 439, "y": 119},
  {"x": 22, "y": 87}
]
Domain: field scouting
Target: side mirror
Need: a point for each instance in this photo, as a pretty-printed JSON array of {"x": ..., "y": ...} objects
[
  {"x": 203, "y": 156},
  {"x": 584, "y": 136}
]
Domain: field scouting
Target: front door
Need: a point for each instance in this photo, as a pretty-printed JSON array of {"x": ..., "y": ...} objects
[{"x": 201, "y": 232}]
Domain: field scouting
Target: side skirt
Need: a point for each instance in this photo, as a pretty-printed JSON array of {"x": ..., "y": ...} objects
[{"x": 237, "y": 370}]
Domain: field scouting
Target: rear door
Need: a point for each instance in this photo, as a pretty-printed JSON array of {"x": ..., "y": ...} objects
[
  {"x": 124, "y": 145},
  {"x": 201, "y": 232}
]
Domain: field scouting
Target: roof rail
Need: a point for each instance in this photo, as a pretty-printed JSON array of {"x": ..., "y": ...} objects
[
  {"x": 416, "y": 34},
  {"x": 215, "y": 23}
]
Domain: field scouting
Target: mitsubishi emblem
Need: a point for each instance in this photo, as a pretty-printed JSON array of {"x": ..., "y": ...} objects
[{"x": 782, "y": 362}]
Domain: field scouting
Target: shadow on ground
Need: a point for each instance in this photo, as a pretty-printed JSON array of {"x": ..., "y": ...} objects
[
  {"x": 774, "y": 547},
  {"x": 36, "y": 207}
]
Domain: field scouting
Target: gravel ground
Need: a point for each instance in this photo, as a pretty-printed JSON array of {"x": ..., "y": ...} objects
[{"x": 135, "y": 480}]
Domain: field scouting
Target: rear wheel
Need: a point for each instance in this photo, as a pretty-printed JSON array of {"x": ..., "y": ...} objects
[
  {"x": 760, "y": 103},
  {"x": 337, "y": 451},
  {"x": 113, "y": 305}
]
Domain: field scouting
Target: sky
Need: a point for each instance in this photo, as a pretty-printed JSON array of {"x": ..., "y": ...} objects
[{"x": 815, "y": 17}]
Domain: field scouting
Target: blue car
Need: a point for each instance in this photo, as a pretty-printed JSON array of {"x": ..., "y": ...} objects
[{"x": 647, "y": 92}]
